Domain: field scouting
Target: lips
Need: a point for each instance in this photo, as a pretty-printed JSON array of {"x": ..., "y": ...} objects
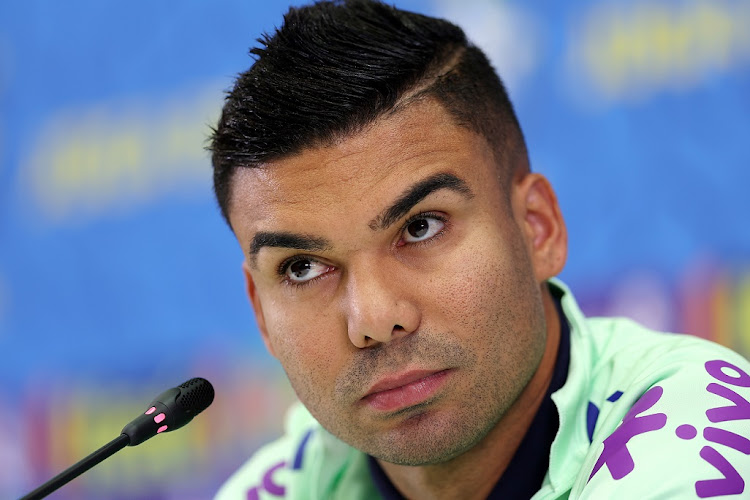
[{"x": 404, "y": 390}]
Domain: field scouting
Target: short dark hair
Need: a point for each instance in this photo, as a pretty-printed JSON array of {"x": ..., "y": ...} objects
[{"x": 336, "y": 66}]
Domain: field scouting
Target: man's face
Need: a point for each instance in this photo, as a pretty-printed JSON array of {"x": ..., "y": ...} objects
[{"x": 394, "y": 283}]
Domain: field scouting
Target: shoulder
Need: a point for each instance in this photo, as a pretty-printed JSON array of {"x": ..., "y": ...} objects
[
  {"x": 650, "y": 415},
  {"x": 680, "y": 428},
  {"x": 614, "y": 356},
  {"x": 272, "y": 469},
  {"x": 306, "y": 463}
]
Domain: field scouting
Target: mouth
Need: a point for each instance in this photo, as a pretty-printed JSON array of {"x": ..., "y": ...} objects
[{"x": 404, "y": 390}]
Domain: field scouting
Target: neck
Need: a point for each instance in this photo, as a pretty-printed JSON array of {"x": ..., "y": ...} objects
[{"x": 473, "y": 474}]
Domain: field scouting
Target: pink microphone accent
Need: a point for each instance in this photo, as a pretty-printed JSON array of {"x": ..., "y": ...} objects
[
  {"x": 162, "y": 429},
  {"x": 159, "y": 418},
  {"x": 151, "y": 410}
]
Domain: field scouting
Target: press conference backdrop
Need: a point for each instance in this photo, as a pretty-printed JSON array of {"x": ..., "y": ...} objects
[{"x": 118, "y": 278}]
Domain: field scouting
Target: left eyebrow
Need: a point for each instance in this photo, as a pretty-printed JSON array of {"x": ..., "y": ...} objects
[
  {"x": 417, "y": 193},
  {"x": 285, "y": 240}
]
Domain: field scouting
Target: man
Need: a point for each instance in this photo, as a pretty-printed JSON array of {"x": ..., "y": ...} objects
[{"x": 400, "y": 259}]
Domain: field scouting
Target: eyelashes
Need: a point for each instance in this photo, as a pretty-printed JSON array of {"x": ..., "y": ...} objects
[
  {"x": 425, "y": 232},
  {"x": 300, "y": 270}
]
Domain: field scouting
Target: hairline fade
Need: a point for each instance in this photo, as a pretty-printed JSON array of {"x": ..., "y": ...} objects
[{"x": 336, "y": 67}]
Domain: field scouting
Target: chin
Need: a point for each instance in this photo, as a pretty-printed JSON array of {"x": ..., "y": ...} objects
[
  {"x": 426, "y": 439},
  {"x": 422, "y": 453}
]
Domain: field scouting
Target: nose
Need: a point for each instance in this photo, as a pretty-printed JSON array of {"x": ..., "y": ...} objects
[{"x": 378, "y": 307}]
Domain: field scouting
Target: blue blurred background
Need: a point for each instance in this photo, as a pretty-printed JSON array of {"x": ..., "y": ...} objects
[{"x": 118, "y": 278}]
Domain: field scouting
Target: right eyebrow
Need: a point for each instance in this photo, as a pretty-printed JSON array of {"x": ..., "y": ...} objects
[
  {"x": 415, "y": 194},
  {"x": 286, "y": 240}
]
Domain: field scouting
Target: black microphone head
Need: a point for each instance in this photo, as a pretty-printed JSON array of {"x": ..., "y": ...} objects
[
  {"x": 195, "y": 396},
  {"x": 171, "y": 410}
]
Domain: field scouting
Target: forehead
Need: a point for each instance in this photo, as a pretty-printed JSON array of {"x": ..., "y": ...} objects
[{"x": 360, "y": 173}]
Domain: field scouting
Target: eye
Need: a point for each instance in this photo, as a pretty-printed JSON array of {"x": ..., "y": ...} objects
[
  {"x": 304, "y": 269},
  {"x": 422, "y": 228}
]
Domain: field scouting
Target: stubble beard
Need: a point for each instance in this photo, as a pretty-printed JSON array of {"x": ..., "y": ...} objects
[{"x": 423, "y": 434}]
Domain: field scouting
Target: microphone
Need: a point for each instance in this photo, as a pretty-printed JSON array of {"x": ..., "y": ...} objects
[{"x": 170, "y": 410}]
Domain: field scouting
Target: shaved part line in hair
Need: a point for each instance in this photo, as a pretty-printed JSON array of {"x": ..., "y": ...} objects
[{"x": 335, "y": 67}]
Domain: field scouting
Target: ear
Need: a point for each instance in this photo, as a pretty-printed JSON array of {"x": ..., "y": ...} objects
[
  {"x": 252, "y": 294},
  {"x": 538, "y": 214}
]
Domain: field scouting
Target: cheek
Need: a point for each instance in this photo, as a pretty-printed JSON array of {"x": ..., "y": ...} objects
[
  {"x": 304, "y": 343},
  {"x": 492, "y": 293}
]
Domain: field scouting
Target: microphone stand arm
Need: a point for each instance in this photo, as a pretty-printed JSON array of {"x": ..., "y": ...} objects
[{"x": 79, "y": 468}]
